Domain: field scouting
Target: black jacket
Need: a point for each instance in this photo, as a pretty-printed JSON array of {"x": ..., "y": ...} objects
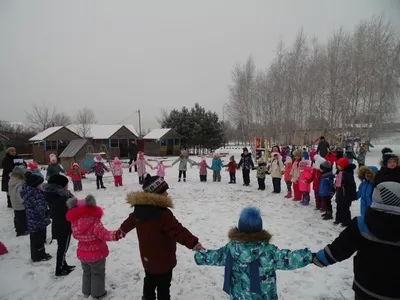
[
  {"x": 56, "y": 197},
  {"x": 323, "y": 148},
  {"x": 386, "y": 174},
  {"x": 133, "y": 151},
  {"x": 8, "y": 163},
  {"x": 376, "y": 239},
  {"x": 348, "y": 191},
  {"x": 246, "y": 162}
]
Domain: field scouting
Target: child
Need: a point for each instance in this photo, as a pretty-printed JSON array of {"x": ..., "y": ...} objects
[
  {"x": 3, "y": 249},
  {"x": 36, "y": 215},
  {"x": 295, "y": 175},
  {"x": 248, "y": 165},
  {"x": 183, "y": 160},
  {"x": 216, "y": 166},
  {"x": 275, "y": 169},
  {"x": 76, "y": 176},
  {"x": 304, "y": 181},
  {"x": 203, "y": 169},
  {"x": 306, "y": 155},
  {"x": 261, "y": 173},
  {"x": 390, "y": 171},
  {"x": 15, "y": 185},
  {"x": 141, "y": 163},
  {"x": 366, "y": 175},
  {"x": 34, "y": 168},
  {"x": 326, "y": 189},
  {"x": 361, "y": 157},
  {"x": 117, "y": 170},
  {"x": 331, "y": 157},
  {"x": 87, "y": 228},
  {"x": 158, "y": 232},
  {"x": 315, "y": 179},
  {"x": 232, "y": 169},
  {"x": 375, "y": 240},
  {"x": 54, "y": 168},
  {"x": 251, "y": 261},
  {"x": 56, "y": 197},
  {"x": 346, "y": 191},
  {"x": 287, "y": 178},
  {"x": 312, "y": 155},
  {"x": 161, "y": 168},
  {"x": 98, "y": 168}
]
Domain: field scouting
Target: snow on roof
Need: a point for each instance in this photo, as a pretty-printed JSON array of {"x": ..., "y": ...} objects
[
  {"x": 156, "y": 134},
  {"x": 132, "y": 129},
  {"x": 44, "y": 134},
  {"x": 96, "y": 131}
]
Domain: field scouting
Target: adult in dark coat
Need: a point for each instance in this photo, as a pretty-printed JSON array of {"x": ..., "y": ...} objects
[
  {"x": 56, "y": 196},
  {"x": 9, "y": 162},
  {"x": 133, "y": 152},
  {"x": 375, "y": 239},
  {"x": 323, "y": 147}
]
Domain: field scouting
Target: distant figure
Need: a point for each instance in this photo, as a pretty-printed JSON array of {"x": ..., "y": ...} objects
[
  {"x": 133, "y": 152},
  {"x": 323, "y": 147},
  {"x": 8, "y": 163}
]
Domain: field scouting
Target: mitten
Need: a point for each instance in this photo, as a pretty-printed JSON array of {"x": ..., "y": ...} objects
[
  {"x": 316, "y": 261},
  {"x": 119, "y": 234},
  {"x": 198, "y": 247}
]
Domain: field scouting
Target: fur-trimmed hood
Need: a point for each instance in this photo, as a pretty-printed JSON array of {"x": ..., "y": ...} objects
[
  {"x": 143, "y": 198},
  {"x": 254, "y": 237},
  {"x": 84, "y": 212},
  {"x": 367, "y": 170}
]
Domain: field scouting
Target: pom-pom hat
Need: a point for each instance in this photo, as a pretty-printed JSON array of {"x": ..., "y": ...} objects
[{"x": 250, "y": 220}]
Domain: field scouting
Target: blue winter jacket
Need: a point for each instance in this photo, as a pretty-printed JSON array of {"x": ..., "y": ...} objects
[
  {"x": 216, "y": 164},
  {"x": 326, "y": 185},
  {"x": 36, "y": 208},
  {"x": 306, "y": 155},
  {"x": 365, "y": 190},
  {"x": 250, "y": 264}
]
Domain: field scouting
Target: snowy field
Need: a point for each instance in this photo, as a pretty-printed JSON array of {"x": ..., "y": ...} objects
[{"x": 208, "y": 210}]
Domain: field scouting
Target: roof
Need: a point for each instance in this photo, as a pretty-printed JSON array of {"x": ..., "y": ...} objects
[
  {"x": 157, "y": 134},
  {"x": 44, "y": 134},
  {"x": 132, "y": 129},
  {"x": 73, "y": 148}
]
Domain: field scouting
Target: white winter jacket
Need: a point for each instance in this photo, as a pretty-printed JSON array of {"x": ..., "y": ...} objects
[
  {"x": 14, "y": 189},
  {"x": 276, "y": 168}
]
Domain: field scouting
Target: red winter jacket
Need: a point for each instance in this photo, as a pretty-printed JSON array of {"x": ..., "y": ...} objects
[
  {"x": 158, "y": 231},
  {"x": 316, "y": 179},
  {"x": 76, "y": 173},
  {"x": 331, "y": 157},
  {"x": 232, "y": 167}
]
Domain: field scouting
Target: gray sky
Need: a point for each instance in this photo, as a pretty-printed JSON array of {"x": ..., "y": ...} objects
[{"x": 118, "y": 56}]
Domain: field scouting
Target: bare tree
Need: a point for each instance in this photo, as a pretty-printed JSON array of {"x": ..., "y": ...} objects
[
  {"x": 62, "y": 119},
  {"x": 42, "y": 116},
  {"x": 84, "y": 119}
]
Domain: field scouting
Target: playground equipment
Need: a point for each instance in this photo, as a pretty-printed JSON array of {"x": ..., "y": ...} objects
[{"x": 88, "y": 160}]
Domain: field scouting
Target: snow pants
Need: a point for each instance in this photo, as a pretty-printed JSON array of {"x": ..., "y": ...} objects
[
  {"x": 77, "y": 185},
  {"x": 182, "y": 173},
  {"x": 38, "y": 239},
  {"x": 216, "y": 176},
  {"x": 289, "y": 186},
  {"x": 343, "y": 214},
  {"x": 20, "y": 222},
  {"x": 326, "y": 204},
  {"x": 277, "y": 184},
  {"x": 203, "y": 178},
  {"x": 118, "y": 180},
  {"x": 161, "y": 282},
  {"x": 62, "y": 248},
  {"x": 232, "y": 176},
  {"x": 99, "y": 182},
  {"x": 296, "y": 190},
  {"x": 318, "y": 200},
  {"x": 94, "y": 278},
  {"x": 261, "y": 183},
  {"x": 246, "y": 176}
]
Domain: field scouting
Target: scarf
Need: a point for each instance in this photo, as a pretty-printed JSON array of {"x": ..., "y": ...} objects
[{"x": 338, "y": 182}]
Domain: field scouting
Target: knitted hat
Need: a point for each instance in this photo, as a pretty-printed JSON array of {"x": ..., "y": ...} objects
[
  {"x": 288, "y": 161},
  {"x": 53, "y": 158},
  {"x": 325, "y": 167},
  {"x": 232, "y": 157},
  {"x": 387, "y": 154},
  {"x": 343, "y": 162},
  {"x": 250, "y": 220},
  {"x": 33, "y": 180},
  {"x": 11, "y": 149},
  {"x": 58, "y": 180},
  {"x": 88, "y": 201},
  {"x": 386, "y": 197},
  {"x": 33, "y": 165},
  {"x": 304, "y": 164},
  {"x": 18, "y": 170},
  {"x": 155, "y": 184},
  {"x": 117, "y": 161},
  {"x": 245, "y": 149}
]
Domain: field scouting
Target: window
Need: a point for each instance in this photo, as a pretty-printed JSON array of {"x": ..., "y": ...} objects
[
  {"x": 51, "y": 145},
  {"x": 177, "y": 142},
  {"x": 114, "y": 143},
  {"x": 163, "y": 142}
]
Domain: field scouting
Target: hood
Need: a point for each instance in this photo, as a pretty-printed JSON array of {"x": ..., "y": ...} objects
[
  {"x": 143, "y": 198},
  {"x": 248, "y": 155},
  {"x": 15, "y": 182},
  {"x": 91, "y": 213},
  {"x": 55, "y": 188},
  {"x": 247, "y": 247},
  {"x": 350, "y": 168},
  {"x": 367, "y": 170},
  {"x": 384, "y": 226}
]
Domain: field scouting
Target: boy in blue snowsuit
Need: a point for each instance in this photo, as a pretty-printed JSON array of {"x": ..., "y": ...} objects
[
  {"x": 326, "y": 189},
  {"x": 251, "y": 261},
  {"x": 367, "y": 176}
]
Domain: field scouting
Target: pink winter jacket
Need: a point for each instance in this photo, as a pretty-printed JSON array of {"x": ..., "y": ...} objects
[
  {"x": 88, "y": 229},
  {"x": 141, "y": 166},
  {"x": 118, "y": 169},
  {"x": 161, "y": 170},
  {"x": 287, "y": 176},
  {"x": 305, "y": 179}
]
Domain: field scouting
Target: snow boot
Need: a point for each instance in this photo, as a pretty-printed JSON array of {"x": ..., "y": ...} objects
[
  {"x": 184, "y": 179},
  {"x": 101, "y": 297},
  {"x": 63, "y": 271},
  {"x": 179, "y": 180},
  {"x": 327, "y": 217},
  {"x": 305, "y": 203},
  {"x": 289, "y": 195}
]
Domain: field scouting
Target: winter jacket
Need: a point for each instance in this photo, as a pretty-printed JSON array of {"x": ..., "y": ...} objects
[
  {"x": 361, "y": 158},
  {"x": 348, "y": 189},
  {"x": 54, "y": 169},
  {"x": 161, "y": 170},
  {"x": 366, "y": 188},
  {"x": 306, "y": 155},
  {"x": 326, "y": 184},
  {"x": 14, "y": 188},
  {"x": 376, "y": 239},
  {"x": 76, "y": 174},
  {"x": 251, "y": 263},
  {"x": 158, "y": 231},
  {"x": 216, "y": 164},
  {"x": 98, "y": 168},
  {"x": 295, "y": 172},
  {"x": 56, "y": 197},
  {"x": 276, "y": 168},
  {"x": 331, "y": 157},
  {"x": 312, "y": 155},
  {"x": 305, "y": 179},
  {"x": 323, "y": 148},
  {"x": 246, "y": 161},
  {"x": 339, "y": 154},
  {"x": 315, "y": 179},
  {"x": 183, "y": 161},
  {"x": 349, "y": 154},
  {"x": 141, "y": 166},
  {"x": 287, "y": 176},
  {"x": 203, "y": 166},
  {"x": 36, "y": 208},
  {"x": 133, "y": 151},
  {"x": 7, "y": 164},
  {"x": 261, "y": 170},
  {"x": 386, "y": 174},
  {"x": 231, "y": 167},
  {"x": 88, "y": 229}
]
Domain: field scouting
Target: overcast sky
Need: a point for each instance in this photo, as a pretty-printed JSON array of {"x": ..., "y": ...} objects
[{"x": 119, "y": 56}]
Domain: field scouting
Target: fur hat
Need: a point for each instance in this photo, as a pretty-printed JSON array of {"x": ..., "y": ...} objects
[
  {"x": 33, "y": 180},
  {"x": 386, "y": 197},
  {"x": 275, "y": 154},
  {"x": 325, "y": 167},
  {"x": 344, "y": 162},
  {"x": 18, "y": 170},
  {"x": 53, "y": 158},
  {"x": 33, "y": 165},
  {"x": 58, "y": 180},
  {"x": 155, "y": 184},
  {"x": 387, "y": 154},
  {"x": 90, "y": 200},
  {"x": 250, "y": 220},
  {"x": 11, "y": 149},
  {"x": 367, "y": 170},
  {"x": 117, "y": 161},
  {"x": 98, "y": 158}
]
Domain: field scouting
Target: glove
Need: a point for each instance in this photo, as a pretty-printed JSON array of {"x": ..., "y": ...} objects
[
  {"x": 316, "y": 261},
  {"x": 198, "y": 247},
  {"x": 119, "y": 234}
]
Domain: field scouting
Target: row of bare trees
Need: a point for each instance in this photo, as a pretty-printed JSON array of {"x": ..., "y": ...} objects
[{"x": 353, "y": 79}]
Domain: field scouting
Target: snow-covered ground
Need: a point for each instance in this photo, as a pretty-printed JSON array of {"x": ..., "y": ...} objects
[{"x": 209, "y": 210}]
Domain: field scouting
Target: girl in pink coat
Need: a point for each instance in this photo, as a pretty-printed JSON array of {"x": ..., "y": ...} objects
[
  {"x": 92, "y": 251},
  {"x": 161, "y": 168},
  {"x": 141, "y": 166},
  {"x": 304, "y": 181},
  {"x": 203, "y": 166},
  {"x": 117, "y": 170}
]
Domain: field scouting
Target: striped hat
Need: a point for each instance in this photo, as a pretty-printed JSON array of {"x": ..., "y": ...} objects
[
  {"x": 386, "y": 197},
  {"x": 155, "y": 184}
]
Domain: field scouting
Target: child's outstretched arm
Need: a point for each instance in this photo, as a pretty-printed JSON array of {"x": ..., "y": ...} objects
[
  {"x": 147, "y": 163},
  {"x": 129, "y": 224},
  {"x": 177, "y": 160},
  {"x": 292, "y": 259},
  {"x": 211, "y": 257},
  {"x": 106, "y": 235}
]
